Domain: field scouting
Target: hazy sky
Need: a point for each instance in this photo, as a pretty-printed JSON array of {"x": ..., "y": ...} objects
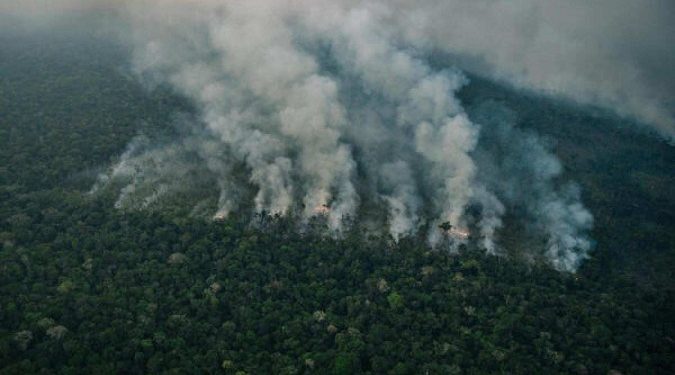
[{"x": 618, "y": 54}]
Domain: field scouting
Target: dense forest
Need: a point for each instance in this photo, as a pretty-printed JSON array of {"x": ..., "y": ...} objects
[{"x": 86, "y": 288}]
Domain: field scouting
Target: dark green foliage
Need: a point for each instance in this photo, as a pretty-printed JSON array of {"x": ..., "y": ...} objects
[{"x": 276, "y": 302}]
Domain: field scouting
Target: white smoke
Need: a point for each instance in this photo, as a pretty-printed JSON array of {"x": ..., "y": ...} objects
[
  {"x": 517, "y": 168},
  {"x": 264, "y": 97},
  {"x": 491, "y": 218},
  {"x": 425, "y": 103},
  {"x": 402, "y": 197},
  {"x": 614, "y": 53},
  {"x": 328, "y": 105}
]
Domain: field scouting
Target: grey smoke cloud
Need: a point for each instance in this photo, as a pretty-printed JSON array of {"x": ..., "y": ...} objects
[
  {"x": 330, "y": 105},
  {"x": 327, "y": 105},
  {"x": 617, "y": 54},
  {"x": 517, "y": 168}
]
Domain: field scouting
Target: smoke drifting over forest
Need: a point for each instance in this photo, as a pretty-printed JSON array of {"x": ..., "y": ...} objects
[
  {"x": 326, "y": 107},
  {"x": 322, "y": 107},
  {"x": 613, "y": 53}
]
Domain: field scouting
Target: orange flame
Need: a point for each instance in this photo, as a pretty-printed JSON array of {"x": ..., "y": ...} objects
[
  {"x": 322, "y": 209},
  {"x": 458, "y": 233},
  {"x": 221, "y": 215}
]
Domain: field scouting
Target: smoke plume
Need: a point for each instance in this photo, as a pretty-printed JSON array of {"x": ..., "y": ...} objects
[{"x": 332, "y": 110}]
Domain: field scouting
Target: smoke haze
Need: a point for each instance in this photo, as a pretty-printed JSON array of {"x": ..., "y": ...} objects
[
  {"x": 616, "y": 54},
  {"x": 321, "y": 107}
]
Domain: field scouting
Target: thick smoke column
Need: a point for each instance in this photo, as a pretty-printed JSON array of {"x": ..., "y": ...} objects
[
  {"x": 424, "y": 100},
  {"x": 264, "y": 97},
  {"x": 323, "y": 106}
]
